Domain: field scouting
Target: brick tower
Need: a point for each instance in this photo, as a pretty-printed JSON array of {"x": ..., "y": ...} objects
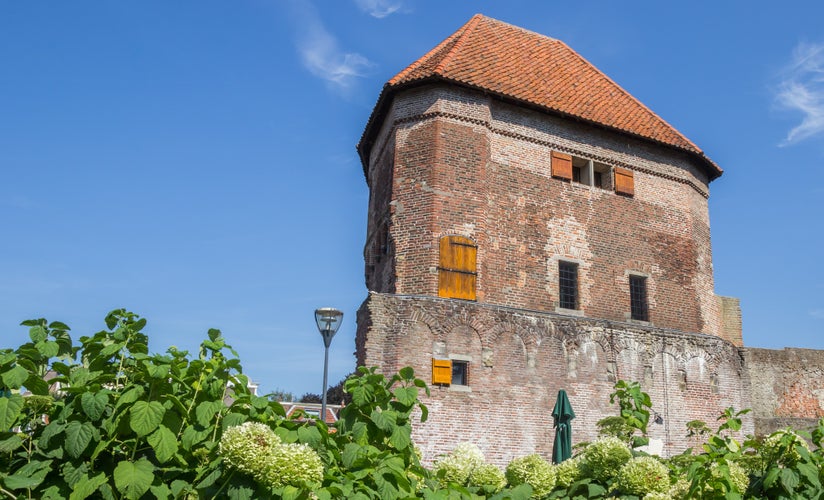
[{"x": 534, "y": 227}]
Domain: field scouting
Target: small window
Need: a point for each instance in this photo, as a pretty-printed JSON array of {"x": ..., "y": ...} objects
[
  {"x": 568, "y": 285},
  {"x": 561, "y": 165},
  {"x": 638, "y": 298},
  {"x": 441, "y": 371},
  {"x": 601, "y": 176},
  {"x": 457, "y": 270},
  {"x": 624, "y": 182},
  {"x": 460, "y": 372}
]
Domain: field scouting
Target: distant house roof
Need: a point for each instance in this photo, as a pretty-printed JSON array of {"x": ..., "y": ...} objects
[
  {"x": 523, "y": 66},
  {"x": 312, "y": 410}
]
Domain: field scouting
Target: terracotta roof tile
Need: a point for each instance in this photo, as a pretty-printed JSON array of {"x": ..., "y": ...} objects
[{"x": 525, "y": 66}]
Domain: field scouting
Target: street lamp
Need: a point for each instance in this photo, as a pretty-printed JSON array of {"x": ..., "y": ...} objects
[{"x": 328, "y": 320}]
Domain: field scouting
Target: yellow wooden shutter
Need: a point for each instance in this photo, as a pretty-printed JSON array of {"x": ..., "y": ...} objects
[
  {"x": 457, "y": 268},
  {"x": 624, "y": 182},
  {"x": 561, "y": 165},
  {"x": 441, "y": 371}
]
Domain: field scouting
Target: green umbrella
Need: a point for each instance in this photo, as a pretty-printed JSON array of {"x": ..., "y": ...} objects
[{"x": 562, "y": 416}]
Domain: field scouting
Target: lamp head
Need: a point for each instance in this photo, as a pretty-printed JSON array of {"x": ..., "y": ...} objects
[{"x": 328, "y": 320}]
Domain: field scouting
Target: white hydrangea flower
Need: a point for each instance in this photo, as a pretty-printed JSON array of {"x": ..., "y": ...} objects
[{"x": 254, "y": 449}]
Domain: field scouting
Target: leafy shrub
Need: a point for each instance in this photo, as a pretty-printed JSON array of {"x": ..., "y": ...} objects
[
  {"x": 124, "y": 423},
  {"x": 736, "y": 473},
  {"x": 781, "y": 447},
  {"x": 604, "y": 457},
  {"x": 642, "y": 475},
  {"x": 534, "y": 471}
]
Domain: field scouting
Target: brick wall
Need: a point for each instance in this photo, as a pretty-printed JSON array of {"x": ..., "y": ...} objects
[
  {"x": 519, "y": 359},
  {"x": 787, "y": 387}
]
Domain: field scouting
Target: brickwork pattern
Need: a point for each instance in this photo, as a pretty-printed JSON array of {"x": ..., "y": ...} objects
[
  {"x": 519, "y": 359},
  {"x": 787, "y": 385}
]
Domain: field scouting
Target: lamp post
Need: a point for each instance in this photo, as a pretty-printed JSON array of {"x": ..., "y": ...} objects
[{"x": 328, "y": 320}]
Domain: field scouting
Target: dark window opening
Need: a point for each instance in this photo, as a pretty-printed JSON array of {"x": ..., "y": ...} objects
[
  {"x": 460, "y": 372},
  {"x": 599, "y": 179},
  {"x": 638, "y": 298},
  {"x": 568, "y": 285},
  {"x": 577, "y": 174}
]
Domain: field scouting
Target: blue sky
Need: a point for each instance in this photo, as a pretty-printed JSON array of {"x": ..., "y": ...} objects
[{"x": 194, "y": 161}]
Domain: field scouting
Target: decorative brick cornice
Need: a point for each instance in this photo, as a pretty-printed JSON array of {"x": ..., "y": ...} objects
[{"x": 554, "y": 146}]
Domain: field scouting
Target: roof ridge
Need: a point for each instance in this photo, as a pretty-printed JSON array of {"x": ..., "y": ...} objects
[
  {"x": 630, "y": 96},
  {"x": 466, "y": 30}
]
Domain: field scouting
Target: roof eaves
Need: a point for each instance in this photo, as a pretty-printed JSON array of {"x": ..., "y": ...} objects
[{"x": 364, "y": 145}]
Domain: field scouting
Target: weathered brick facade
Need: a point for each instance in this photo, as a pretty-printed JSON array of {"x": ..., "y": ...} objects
[{"x": 443, "y": 158}]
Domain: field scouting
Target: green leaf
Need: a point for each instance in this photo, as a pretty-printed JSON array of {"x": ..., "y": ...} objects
[
  {"x": 385, "y": 420},
  {"x": 7, "y": 357},
  {"x": 595, "y": 490},
  {"x": 94, "y": 404},
  {"x": 47, "y": 348},
  {"x": 80, "y": 376},
  {"x": 237, "y": 491},
  {"x": 407, "y": 373},
  {"x": 789, "y": 479},
  {"x": 164, "y": 443},
  {"x": 87, "y": 487},
  {"x": 310, "y": 436},
  {"x": 110, "y": 349},
  {"x": 30, "y": 475},
  {"x": 130, "y": 396},
  {"x": 57, "y": 325},
  {"x": 133, "y": 479},
  {"x": 37, "y": 385},
  {"x": 15, "y": 377},
  {"x": 210, "y": 479},
  {"x": 232, "y": 419},
  {"x": 78, "y": 437},
  {"x": 386, "y": 486},
  {"x": 206, "y": 411},
  {"x": 145, "y": 416},
  {"x": 9, "y": 411},
  {"x": 350, "y": 455},
  {"x": 157, "y": 371},
  {"x": 11, "y": 443},
  {"x": 771, "y": 477},
  {"x": 161, "y": 491},
  {"x": 72, "y": 474},
  {"x": 401, "y": 437},
  {"x": 21, "y": 481},
  {"x": 37, "y": 334},
  {"x": 178, "y": 487},
  {"x": 51, "y": 430},
  {"x": 192, "y": 437}
]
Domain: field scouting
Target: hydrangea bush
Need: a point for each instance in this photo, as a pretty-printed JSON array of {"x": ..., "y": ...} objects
[
  {"x": 456, "y": 466},
  {"x": 643, "y": 475},
  {"x": 604, "y": 457},
  {"x": 487, "y": 478},
  {"x": 568, "y": 471},
  {"x": 534, "y": 471}
]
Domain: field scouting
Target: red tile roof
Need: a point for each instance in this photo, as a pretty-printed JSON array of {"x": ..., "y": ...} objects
[{"x": 527, "y": 67}]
